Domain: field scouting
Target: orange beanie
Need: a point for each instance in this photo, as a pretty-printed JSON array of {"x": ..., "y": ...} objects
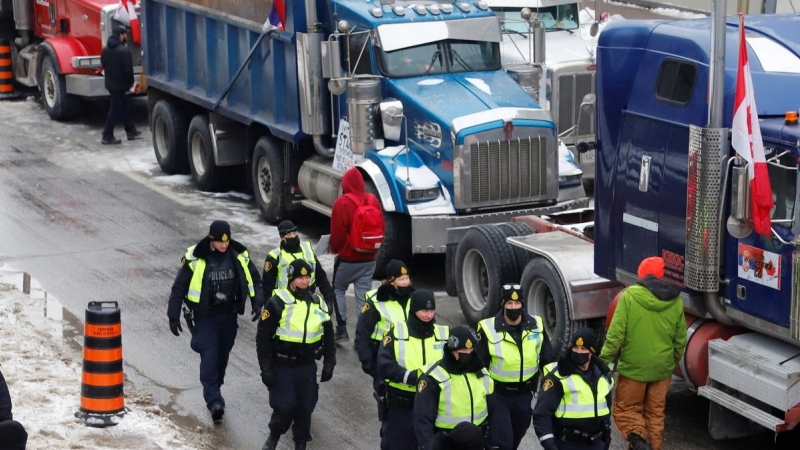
[{"x": 652, "y": 266}]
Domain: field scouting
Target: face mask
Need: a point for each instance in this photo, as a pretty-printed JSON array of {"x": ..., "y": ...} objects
[
  {"x": 292, "y": 242},
  {"x": 465, "y": 359},
  {"x": 513, "y": 314},
  {"x": 404, "y": 292},
  {"x": 579, "y": 358}
]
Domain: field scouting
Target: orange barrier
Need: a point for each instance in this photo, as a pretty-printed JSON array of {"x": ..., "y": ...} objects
[
  {"x": 102, "y": 395},
  {"x": 6, "y": 69}
]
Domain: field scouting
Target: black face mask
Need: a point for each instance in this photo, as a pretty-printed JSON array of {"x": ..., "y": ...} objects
[
  {"x": 291, "y": 243},
  {"x": 513, "y": 314},
  {"x": 301, "y": 292},
  {"x": 403, "y": 292},
  {"x": 579, "y": 358},
  {"x": 465, "y": 359}
]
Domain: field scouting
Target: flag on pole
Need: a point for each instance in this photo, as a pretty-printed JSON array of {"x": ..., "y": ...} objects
[
  {"x": 277, "y": 17},
  {"x": 126, "y": 14},
  {"x": 747, "y": 142}
]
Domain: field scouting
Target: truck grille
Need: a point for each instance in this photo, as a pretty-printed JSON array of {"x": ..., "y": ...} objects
[
  {"x": 572, "y": 87},
  {"x": 506, "y": 172}
]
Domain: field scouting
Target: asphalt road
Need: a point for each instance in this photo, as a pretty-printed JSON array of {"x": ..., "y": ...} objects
[{"x": 97, "y": 223}]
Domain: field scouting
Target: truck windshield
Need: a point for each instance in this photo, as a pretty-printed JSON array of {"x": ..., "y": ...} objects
[
  {"x": 448, "y": 56},
  {"x": 561, "y": 17}
]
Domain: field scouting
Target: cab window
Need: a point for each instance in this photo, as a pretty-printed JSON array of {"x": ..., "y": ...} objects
[{"x": 783, "y": 180}]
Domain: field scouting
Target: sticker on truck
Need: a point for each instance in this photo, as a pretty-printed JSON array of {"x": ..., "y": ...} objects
[{"x": 760, "y": 266}]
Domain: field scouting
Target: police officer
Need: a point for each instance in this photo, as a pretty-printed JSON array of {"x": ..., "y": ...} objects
[
  {"x": 573, "y": 409},
  {"x": 215, "y": 279},
  {"x": 295, "y": 327},
  {"x": 408, "y": 347},
  {"x": 277, "y": 263},
  {"x": 456, "y": 389},
  {"x": 514, "y": 346},
  {"x": 383, "y": 306}
]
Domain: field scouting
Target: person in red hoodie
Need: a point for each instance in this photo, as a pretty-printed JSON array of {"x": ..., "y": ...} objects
[{"x": 350, "y": 266}]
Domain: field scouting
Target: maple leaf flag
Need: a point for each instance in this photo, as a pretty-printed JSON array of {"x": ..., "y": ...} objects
[
  {"x": 747, "y": 142},
  {"x": 126, "y": 14}
]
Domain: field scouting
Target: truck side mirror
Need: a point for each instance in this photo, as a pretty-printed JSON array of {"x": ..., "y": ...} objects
[
  {"x": 589, "y": 103},
  {"x": 392, "y": 118},
  {"x": 594, "y": 29}
]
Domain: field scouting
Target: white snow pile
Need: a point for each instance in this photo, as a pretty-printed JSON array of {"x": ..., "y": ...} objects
[{"x": 44, "y": 380}]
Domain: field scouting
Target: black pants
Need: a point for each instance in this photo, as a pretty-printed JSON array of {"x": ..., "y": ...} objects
[
  {"x": 293, "y": 399},
  {"x": 12, "y": 435},
  {"x": 213, "y": 339},
  {"x": 397, "y": 431},
  {"x": 117, "y": 109},
  {"x": 577, "y": 445},
  {"x": 511, "y": 417}
]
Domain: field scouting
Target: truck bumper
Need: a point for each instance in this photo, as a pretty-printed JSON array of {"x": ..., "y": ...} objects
[
  {"x": 86, "y": 85},
  {"x": 431, "y": 234}
]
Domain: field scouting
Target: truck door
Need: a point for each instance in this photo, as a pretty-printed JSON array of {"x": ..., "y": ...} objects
[{"x": 44, "y": 12}]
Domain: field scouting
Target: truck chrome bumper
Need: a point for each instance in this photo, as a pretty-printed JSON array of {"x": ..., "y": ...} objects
[
  {"x": 431, "y": 234},
  {"x": 86, "y": 85}
]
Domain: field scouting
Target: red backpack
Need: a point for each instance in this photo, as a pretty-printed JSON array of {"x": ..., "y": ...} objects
[{"x": 366, "y": 229}]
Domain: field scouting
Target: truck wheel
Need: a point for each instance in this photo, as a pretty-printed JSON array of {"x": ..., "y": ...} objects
[
  {"x": 206, "y": 175},
  {"x": 546, "y": 298},
  {"x": 483, "y": 265},
  {"x": 169, "y": 129},
  {"x": 59, "y": 104},
  {"x": 268, "y": 179},
  {"x": 397, "y": 236},
  {"x": 521, "y": 256}
]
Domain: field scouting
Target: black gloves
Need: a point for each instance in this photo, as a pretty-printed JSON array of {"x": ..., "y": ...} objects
[
  {"x": 412, "y": 378},
  {"x": 268, "y": 378},
  {"x": 254, "y": 315},
  {"x": 327, "y": 373},
  {"x": 549, "y": 444},
  {"x": 175, "y": 327},
  {"x": 368, "y": 369}
]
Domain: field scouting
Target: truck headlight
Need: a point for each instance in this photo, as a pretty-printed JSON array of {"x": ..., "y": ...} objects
[{"x": 422, "y": 194}]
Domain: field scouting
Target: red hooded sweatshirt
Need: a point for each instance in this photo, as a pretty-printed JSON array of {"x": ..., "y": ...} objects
[{"x": 342, "y": 215}]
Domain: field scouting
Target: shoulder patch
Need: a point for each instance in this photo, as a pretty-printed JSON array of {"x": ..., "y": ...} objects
[
  {"x": 547, "y": 384},
  {"x": 387, "y": 340},
  {"x": 267, "y": 266},
  {"x": 365, "y": 308},
  {"x": 264, "y": 314},
  {"x": 478, "y": 335},
  {"x": 421, "y": 386}
]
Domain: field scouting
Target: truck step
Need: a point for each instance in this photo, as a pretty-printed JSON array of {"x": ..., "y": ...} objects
[
  {"x": 771, "y": 374},
  {"x": 318, "y": 207},
  {"x": 740, "y": 407}
]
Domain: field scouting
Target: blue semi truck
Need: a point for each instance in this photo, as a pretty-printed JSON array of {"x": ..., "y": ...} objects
[
  {"x": 411, "y": 93},
  {"x": 669, "y": 184}
]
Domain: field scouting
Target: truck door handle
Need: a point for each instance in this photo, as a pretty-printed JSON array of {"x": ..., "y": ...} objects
[{"x": 644, "y": 174}]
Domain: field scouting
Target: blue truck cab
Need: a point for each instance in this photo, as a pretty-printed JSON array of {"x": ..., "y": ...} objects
[
  {"x": 669, "y": 185},
  {"x": 411, "y": 93}
]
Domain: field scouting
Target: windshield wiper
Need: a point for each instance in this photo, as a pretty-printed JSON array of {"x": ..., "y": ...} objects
[
  {"x": 459, "y": 59},
  {"x": 430, "y": 65},
  {"x": 508, "y": 30},
  {"x": 560, "y": 29}
]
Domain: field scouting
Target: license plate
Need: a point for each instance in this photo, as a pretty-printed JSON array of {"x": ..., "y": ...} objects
[{"x": 587, "y": 157}]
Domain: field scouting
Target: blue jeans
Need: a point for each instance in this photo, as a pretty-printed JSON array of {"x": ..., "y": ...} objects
[{"x": 213, "y": 339}]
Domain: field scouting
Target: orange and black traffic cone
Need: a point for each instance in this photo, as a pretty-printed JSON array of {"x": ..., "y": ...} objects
[{"x": 6, "y": 71}]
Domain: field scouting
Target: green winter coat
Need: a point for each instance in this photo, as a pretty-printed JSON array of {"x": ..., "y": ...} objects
[{"x": 648, "y": 331}]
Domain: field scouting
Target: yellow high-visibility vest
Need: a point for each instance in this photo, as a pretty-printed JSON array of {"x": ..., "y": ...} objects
[
  {"x": 198, "y": 267},
  {"x": 462, "y": 398},
  {"x": 578, "y": 401},
  {"x": 509, "y": 362},
  {"x": 285, "y": 258},
  {"x": 413, "y": 353},
  {"x": 391, "y": 312},
  {"x": 301, "y": 322}
]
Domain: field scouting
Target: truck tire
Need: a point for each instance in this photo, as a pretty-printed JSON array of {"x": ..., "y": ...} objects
[
  {"x": 53, "y": 85},
  {"x": 169, "y": 129},
  {"x": 483, "y": 265},
  {"x": 397, "y": 236},
  {"x": 268, "y": 180},
  {"x": 521, "y": 256},
  {"x": 546, "y": 298},
  {"x": 206, "y": 175}
]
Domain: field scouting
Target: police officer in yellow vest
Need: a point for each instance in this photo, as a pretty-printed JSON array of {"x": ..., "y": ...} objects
[
  {"x": 277, "y": 263},
  {"x": 514, "y": 346},
  {"x": 215, "y": 280},
  {"x": 295, "y": 328},
  {"x": 573, "y": 410},
  {"x": 383, "y": 306},
  {"x": 408, "y": 347},
  {"x": 454, "y": 390}
]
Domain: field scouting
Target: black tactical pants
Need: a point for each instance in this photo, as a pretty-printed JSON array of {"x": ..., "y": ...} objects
[{"x": 293, "y": 398}]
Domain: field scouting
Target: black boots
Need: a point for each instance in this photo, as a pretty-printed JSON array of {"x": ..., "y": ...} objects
[
  {"x": 341, "y": 334},
  {"x": 299, "y": 445},
  {"x": 217, "y": 411},
  {"x": 638, "y": 443},
  {"x": 272, "y": 442},
  {"x": 133, "y": 134},
  {"x": 110, "y": 141}
]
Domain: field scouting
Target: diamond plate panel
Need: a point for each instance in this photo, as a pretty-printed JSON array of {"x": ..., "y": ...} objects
[{"x": 702, "y": 207}]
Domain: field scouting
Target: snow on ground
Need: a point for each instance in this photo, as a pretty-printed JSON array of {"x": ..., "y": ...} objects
[
  {"x": 43, "y": 372},
  {"x": 671, "y": 12}
]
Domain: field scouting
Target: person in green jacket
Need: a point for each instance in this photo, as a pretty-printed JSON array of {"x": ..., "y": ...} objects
[{"x": 648, "y": 335}]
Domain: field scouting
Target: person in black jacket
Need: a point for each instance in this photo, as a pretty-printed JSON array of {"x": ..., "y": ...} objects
[
  {"x": 215, "y": 280},
  {"x": 117, "y": 64},
  {"x": 12, "y": 434}
]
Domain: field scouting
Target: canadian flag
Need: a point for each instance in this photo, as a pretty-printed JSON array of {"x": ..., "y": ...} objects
[
  {"x": 747, "y": 142},
  {"x": 126, "y": 14}
]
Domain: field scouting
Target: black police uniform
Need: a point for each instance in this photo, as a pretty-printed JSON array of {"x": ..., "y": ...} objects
[
  {"x": 222, "y": 297},
  {"x": 511, "y": 416},
  {"x": 269, "y": 277},
  {"x": 289, "y": 369},
  {"x": 398, "y": 424},
  {"x": 593, "y": 433}
]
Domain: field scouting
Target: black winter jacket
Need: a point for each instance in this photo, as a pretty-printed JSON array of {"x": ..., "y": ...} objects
[{"x": 118, "y": 65}]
